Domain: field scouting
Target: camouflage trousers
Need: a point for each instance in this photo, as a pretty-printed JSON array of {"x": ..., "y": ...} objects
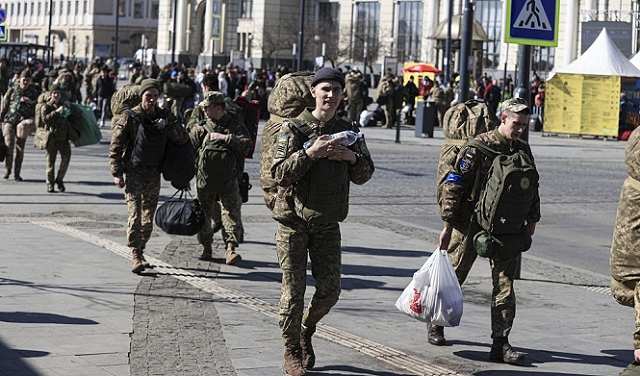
[
  {"x": 141, "y": 191},
  {"x": 503, "y": 298},
  {"x": 13, "y": 142},
  {"x": 391, "y": 115},
  {"x": 65, "y": 156},
  {"x": 229, "y": 213},
  {"x": 323, "y": 245},
  {"x": 216, "y": 217},
  {"x": 354, "y": 109}
]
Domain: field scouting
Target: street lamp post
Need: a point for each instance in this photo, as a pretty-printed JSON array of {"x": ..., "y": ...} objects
[
  {"x": 175, "y": 28},
  {"x": 115, "y": 50},
  {"x": 49, "y": 34},
  {"x": 301, "y": 35}
]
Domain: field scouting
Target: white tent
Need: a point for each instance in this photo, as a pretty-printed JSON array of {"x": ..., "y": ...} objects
[
  {"x": 602, "y": 58},
  {"x": 584, "y": 97}
]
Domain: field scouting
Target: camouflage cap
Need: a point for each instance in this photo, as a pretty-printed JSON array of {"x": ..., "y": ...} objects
[
  {"x": 516, "y": 105},
  {"x": 213, "y": 97},
  {"x": 26, "y": 73}
]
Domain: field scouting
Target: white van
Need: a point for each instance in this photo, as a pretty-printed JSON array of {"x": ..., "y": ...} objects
[{"x": 147, "y": 55}]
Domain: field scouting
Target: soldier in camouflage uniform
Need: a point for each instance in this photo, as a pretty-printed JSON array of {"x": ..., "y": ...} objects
[
  {"x": 457, "y": 197},
  {"x": 235, "y": 137},
  {"x": 91, "y": 75},
  {"x": 625, "y": 258},
  {"x": 142, "y": 183},
  {"x": 319, "y": 238},
  {"x": 17, "y": 113},
  {"x": 57, "y": 117}
]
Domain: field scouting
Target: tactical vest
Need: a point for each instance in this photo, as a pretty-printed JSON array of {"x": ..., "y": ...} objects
[
  {"x": 149, "y": 143},
  {"x": 322, "y": 195},
  {"x": 217, "y": 166}
]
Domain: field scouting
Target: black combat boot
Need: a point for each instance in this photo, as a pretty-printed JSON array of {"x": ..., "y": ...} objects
[
  {"x": 502, "y": 352},
  {"x": 435, "y": 334}
]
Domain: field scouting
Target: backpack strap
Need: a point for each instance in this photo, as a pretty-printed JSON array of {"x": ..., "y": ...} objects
[
  {"x": 133, "y": 115},
  {"x": 304, "y": 128},
  {"x": 484, "y": 148},
  {"x": 207, "y": 127},
  {"x": 489, "y": 152}
]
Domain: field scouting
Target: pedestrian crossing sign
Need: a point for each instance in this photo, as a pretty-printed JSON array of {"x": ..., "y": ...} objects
[
  {"x": 3, "y": 33},
  {"x": 532, "y": 22}
]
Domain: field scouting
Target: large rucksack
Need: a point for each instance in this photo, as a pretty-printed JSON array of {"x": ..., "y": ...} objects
[
  {"x": 462, "y": 122},
  {"x": 216, "y": 165},
  {"x": 508, "y": 191},
  {"x": 126, "y": 97},
  {"x": 288, "y": 98},
  {"x": 506, "y": 197}
]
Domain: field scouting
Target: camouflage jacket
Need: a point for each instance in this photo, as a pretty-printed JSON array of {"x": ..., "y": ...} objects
[
  {"x": 124, "y": 133},
  {"x": 459, "y": 193},
  {"x": 295, "y": 162},
  {"x": 57, "y": 122},
  {"x": 13, "y": 110}
]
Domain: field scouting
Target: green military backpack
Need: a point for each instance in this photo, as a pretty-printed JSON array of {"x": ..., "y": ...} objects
[
  {"x": 504, "y": 203},
  {"x": 216, "y": 165}
]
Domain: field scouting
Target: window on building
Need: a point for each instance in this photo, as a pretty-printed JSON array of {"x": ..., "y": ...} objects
[
  {"x": 39, "y": 9},
  {"x": 409, "y": 30},
  {"x": 86, "y": 7},
  {"x": 138, "y": 10},
  {"x": 489, "y": 14},
  {"x": 366, "y": 28},
  {"x": 329, "y": 19},
  {"x": 543, "y": 59},
  {"x": 121, "y": 8},
  {"x": 247, "y": 8},
  {"x": 77, "y": 7},
  {"x": 32, "y": 9},
  {"x": 155, "y": 10},
  {"x": 19, "y": 7},
  {"x": 69, "y": 8}
]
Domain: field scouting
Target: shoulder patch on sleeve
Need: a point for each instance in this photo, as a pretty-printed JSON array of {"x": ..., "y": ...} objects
[{"x": 282, "y": 146}]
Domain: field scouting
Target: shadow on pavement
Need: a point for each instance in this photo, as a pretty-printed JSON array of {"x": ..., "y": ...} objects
[
  {"x": 388, "y": 252},
  {"x": 12, "y": 363},
  {"x": 352, "y": 371},
  {"x": 43, "y": 318}
]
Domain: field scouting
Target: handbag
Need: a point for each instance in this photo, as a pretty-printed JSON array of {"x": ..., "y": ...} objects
[
  {"x": 180, "y": 215},
  {"x": 434, "y": 294},
  {"x": 3, "y": 149},
  {"x": 41, "y": 138},
  {"x": 244, "y": 186}
]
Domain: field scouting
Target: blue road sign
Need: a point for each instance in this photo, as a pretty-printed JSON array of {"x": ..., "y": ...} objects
[
  {"x": 533, "y": 22},
  {"x": 3, "y": 15},
  {"x": 3, "y": 33}
]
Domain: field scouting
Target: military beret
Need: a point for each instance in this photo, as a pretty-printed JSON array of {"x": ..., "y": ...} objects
[
  {"x": 148, "y": 84},
  {"x": 327, "y": 74}
]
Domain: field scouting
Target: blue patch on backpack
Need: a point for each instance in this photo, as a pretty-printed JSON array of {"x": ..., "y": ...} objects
[{"x": 453, "y": 178}]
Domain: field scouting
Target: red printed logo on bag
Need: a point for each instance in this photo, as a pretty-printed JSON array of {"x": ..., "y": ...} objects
[{"x": 416, "y": 304}]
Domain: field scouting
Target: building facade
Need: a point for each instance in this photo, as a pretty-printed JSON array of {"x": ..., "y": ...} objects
[
  {"x": 82, "y": 29},
  {"x": 266, "y": 33}
]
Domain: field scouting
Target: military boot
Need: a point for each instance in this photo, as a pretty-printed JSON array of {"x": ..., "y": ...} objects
[
  {"x": 308, "y": 356},
  {"x": 232, "y": 257},
  {"x": 137, "y": 266},
  {"x": 292, "y": 361},
  {"x": 206, "y": 252},
  {"x": 502, "y": 352},
  {"x": 435, "y": 334},
  {"x": 7, "y": 173},
  {"x": 144, "y": 261}
]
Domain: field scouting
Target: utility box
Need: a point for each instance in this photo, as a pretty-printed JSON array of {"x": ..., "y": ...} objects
[{"x": 426, "y": 116}]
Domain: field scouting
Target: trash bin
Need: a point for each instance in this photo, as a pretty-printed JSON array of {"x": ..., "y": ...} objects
[{"x": 425, "y": 118}]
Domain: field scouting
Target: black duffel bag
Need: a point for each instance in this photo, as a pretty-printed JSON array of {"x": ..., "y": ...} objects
[{"x": 180, "y": 215}]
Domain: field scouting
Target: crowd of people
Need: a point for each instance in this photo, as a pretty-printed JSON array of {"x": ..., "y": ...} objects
[{"x": 174, "y": 105}]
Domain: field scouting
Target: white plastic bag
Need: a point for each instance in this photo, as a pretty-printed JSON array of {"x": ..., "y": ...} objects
[{"x": 434, "y": 294}]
